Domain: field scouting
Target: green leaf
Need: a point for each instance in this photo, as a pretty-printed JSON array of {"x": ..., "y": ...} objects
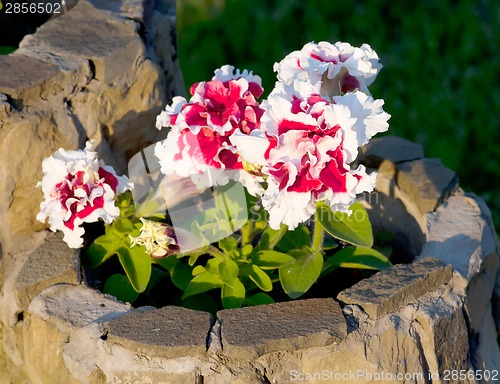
[
  {"x": 297, "y": 278},
  {"x": 357, "y": 257},
  {"x": 270, "y": 237},
  {"x": 5, "y": 50},
  {"x": 109, "y": 242},
  {"x": 231, "y": 200},
  {"x": 228, "y": 271},
  {"x": 95, "y": 255},
  {"x": 198, "y": 269},
  {"x": 258, "y": 299},
  {"x": 329, "y": 243},
  {"x": 123, "y": 225},
  {"x": 168, "y": 262},
  {"x": 193, "y": 258},
  {"x": 246, "y": 250},
  {"x": 202, "y": 302},
  {"x": 119, "y": 286},
  {"x": 228, "y": 244},
  {"x": 258, "y": 276},
  {"x": 202, "y": 283},
  {"x": 296, "y": 239},
  {"x": 212, "y": 266},
  {"x": 354, "y": 229},
  {"x": 181, "y": 275},
  {"x": 137, "y": 266},
  {"x": 232, "y": 295},
  {"x": 272, "y": 259}
]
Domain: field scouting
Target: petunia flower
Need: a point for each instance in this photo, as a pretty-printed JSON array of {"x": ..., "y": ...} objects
[
  {"x": 198, "y": 144},
  {"x": 332, "y": 69},
  {"x": 158, "y": 238},
  {"x": 78, "y": 188},
  {"x": 309, "y": 160}
]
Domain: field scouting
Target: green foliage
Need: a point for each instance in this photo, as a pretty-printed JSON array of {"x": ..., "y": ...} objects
[
  {"x": 441, "y": 65},
  {"x": 119, "y": 286},
  {"x": 295, "y": 259},
  {"x": 245, "y": 268},
  {"x": 297, "y": 278},
  {"x": 354, "y": 228},
  {"x": 357, "y": 257},
  {"x": 6, "y": 50}
]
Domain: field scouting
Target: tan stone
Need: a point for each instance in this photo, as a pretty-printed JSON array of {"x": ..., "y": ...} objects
[
  {"x": 391, "y": 289},
  {"x": 43, "y": 347},
  {"x": 392, "y": 148},
  {"x": 254, "y": 331},
  {"x": 427, "y": 181},
  {"x": 52, "y": 262},
  {"x": 166, "y": 332}
]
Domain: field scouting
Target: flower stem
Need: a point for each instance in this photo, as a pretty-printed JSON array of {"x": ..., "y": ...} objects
[
  {"x": 317, "y": 240},
  {"x": 276, "y": 238},
  {"x": 215, "y": 252}
]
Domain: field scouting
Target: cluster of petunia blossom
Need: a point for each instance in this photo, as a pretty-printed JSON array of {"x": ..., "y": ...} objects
[
  {"x": 295, "y": 148},
  {"x": 78, "y": 188},
  {"x": 158, "y": 238}
]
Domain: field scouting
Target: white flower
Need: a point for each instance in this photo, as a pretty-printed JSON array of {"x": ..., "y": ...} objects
[
  {"x": 331, "y": 68},
  {"x": 199, "y": 143},
  {"x": 370, "y": 117},
  {"x": 309, "y": 161},
  {"x": 78, "y": 188},
  {"x": 155, "y": 237}
]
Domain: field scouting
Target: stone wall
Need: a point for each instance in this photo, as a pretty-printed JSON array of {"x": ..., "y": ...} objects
[
  {"x": 101, "y": 72},
  {"x": 438, "y": 313}
]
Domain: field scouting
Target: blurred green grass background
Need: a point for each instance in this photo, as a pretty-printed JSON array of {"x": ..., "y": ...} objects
[{"x": 441, "y": 74}]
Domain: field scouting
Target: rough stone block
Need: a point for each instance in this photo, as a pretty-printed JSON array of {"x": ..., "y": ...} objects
[
  {"x": 52, "y": 318},
  {"x": 51, "y": 263},
  {"x": 389, "y": 290},
  {"x": 20, "y": 72},
  {"x": 391, "y": 148},
  {"x": 69, "y": 306},
  {"x": 427, "y": 181},
  {"x": 254, "y": 331},
  {"x": 167, "y": 332},
  {"x": 459, "y": 235},
  {"x": 113, "y": 45}
]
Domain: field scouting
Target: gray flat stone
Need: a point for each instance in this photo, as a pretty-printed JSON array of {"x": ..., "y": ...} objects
[
  {"x": 51, "y": 263},
  {"x": 389, "y": 290},
  {"x": 427, "y": 181},
  {"x": 86, "y": 32},
  {"x": 250, "y": 332},
  {"x": 20, "y": 72},
  {"x": 167, "y": 332},
  {"x": 75, "y": 306},
  {"x": 391, "y": 148}
]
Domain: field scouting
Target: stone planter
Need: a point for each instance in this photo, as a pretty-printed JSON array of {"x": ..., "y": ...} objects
[
  {"x": 439, "y": 310},
  {"x": 436, "y": 313}
]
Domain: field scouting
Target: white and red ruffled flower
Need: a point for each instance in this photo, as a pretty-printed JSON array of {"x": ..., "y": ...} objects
[
  {"x": 198, "y": 144},
  {"x": 78, "y": 188},
  {"x": 311, "y": 144},
  {"x": 303, "y": 145},
  {"x": 332, "y": 69}
]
